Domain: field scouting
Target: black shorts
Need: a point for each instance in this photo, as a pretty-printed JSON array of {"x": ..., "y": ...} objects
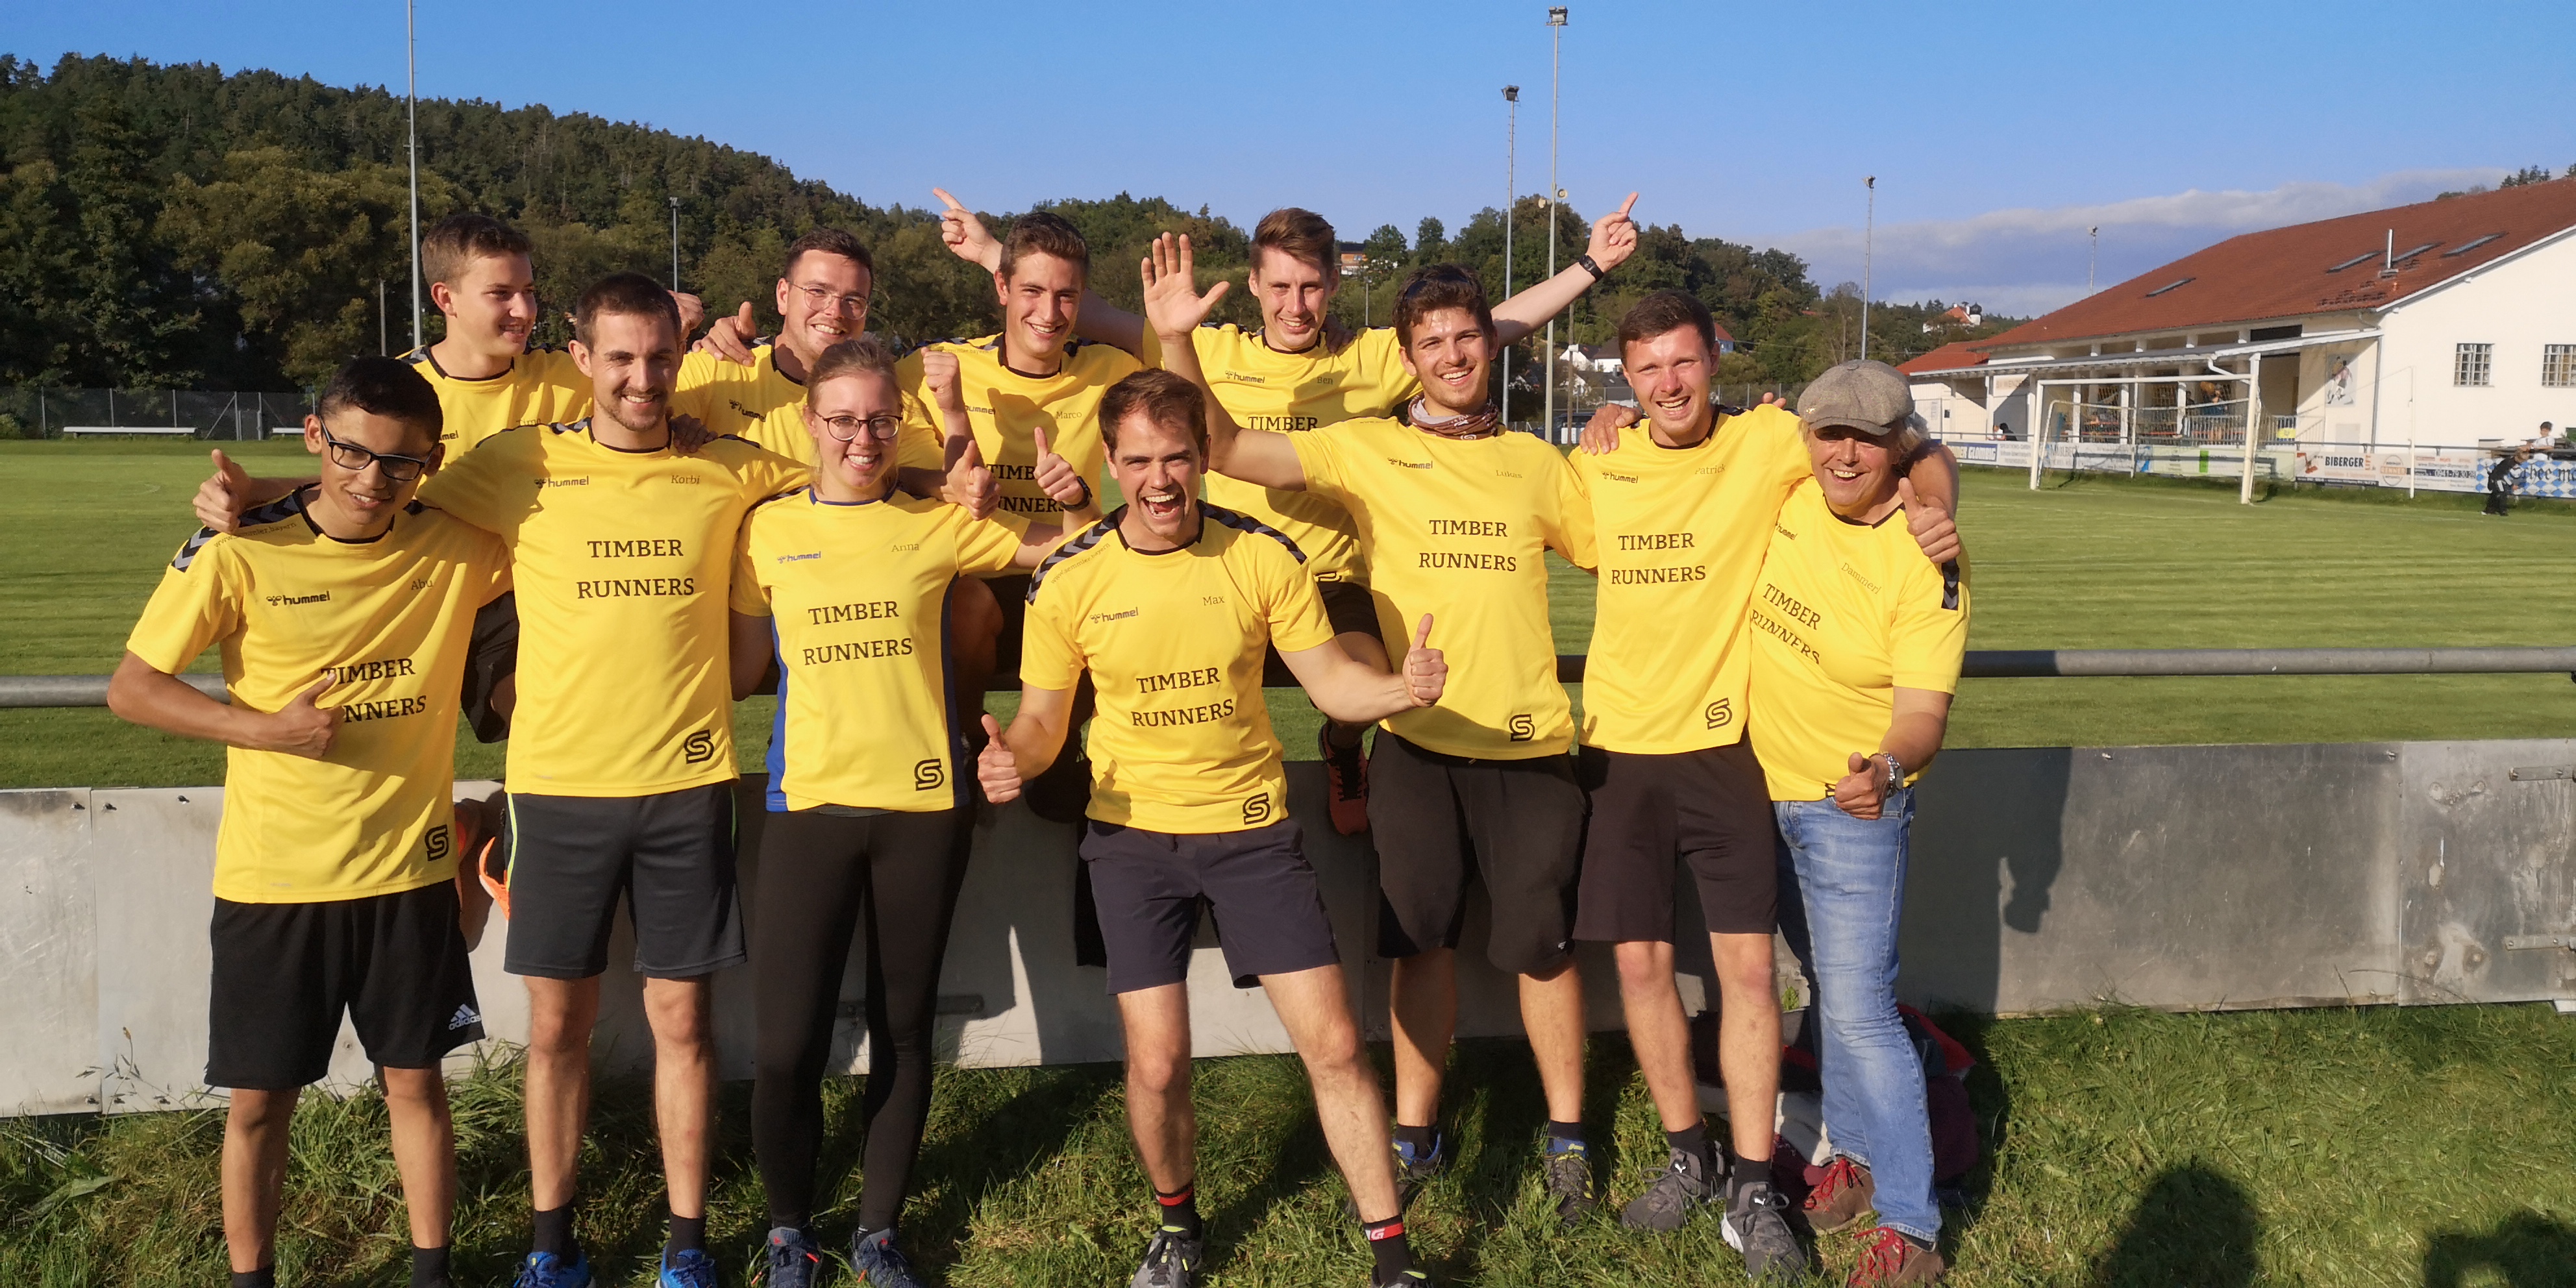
[
  {"x": 1517, "y": 824},
  {"x": 671, "y": 854},
  {"x": 1710, "y": 808},
  {"x": 1256, "y": 884},
  {"x": 1013, "y": 592},
  {"x": 1350, "y": 609},
  {"x": 285, "y": 971}
]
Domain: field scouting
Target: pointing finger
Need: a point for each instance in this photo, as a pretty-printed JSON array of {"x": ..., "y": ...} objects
[
  {"x": 1422, "y": 632},
  {"x": 1628, "y": 205},
  {"x": 945, "y": 199}
]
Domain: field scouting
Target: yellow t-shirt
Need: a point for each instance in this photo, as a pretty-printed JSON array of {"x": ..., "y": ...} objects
[
  {"x": 1006, "y": 408},
  {"x": 542, "y": 386},
  {"x": 1459, "y": 529},
  {"x": 1266, "y": 390},
  {"x": 756, "y": 403},
  {"x": 1681, "y": 532},
  {"x": 389, "y": 621},
  {"x": 1845, "y": 615},
  {"x": 1173, "y": 640},
  {"x": 857, "y": 597},
  {"x": 621, "y": 560}
]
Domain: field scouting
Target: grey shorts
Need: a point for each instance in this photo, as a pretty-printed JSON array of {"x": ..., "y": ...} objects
[
  {"x": 1256, "y": 884},
  {"x": 670, "y": 855}
]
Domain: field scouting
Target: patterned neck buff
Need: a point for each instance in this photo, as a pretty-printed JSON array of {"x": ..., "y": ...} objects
[{"x": 1475, "y": 424}]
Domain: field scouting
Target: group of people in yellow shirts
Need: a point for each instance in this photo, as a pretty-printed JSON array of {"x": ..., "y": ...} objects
[{"x": 599, "y": 550}]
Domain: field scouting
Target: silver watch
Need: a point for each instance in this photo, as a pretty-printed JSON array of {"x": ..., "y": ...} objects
[{"x": 1895, "y": 771}]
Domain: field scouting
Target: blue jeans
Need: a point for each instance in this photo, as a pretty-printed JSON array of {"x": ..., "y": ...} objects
[{"x": 1842, "y": 895}]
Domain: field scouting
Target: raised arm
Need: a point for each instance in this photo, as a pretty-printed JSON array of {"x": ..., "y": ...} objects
[
  {"x": 143, "y": 694},
  {"x": 1354, "y": 692},
  {"x": 1099, "y": 321},
  {"x": 1175, "y": 308},
  {"x": 1614, "y": 238}
]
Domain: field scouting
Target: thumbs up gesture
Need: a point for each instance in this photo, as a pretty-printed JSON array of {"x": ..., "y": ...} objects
[
  {"x": 1058, "y": 478},
  {"x": 221, "y": 499},
  {"x": 730, "y": 338},
  {"x": 996, "y": 768},
  {"x": 1931, "y": 525},
  {"x": 1861, "y": 792},
  {"x": 302, "y": 729},
  {"x": 1426, "y": 670}
]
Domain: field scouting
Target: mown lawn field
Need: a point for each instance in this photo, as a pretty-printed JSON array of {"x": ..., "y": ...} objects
[{"x": 2419, "y": 1147}]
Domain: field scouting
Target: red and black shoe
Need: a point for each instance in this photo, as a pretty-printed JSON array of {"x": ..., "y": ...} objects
[
  {"x": 1845, "y": 1195},
  {"x": 1345, "y": 782},
  {"x": 1890, "y": 1259}
]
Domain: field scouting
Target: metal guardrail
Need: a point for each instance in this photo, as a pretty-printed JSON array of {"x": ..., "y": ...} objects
[{"x": 1982, "y": 664}]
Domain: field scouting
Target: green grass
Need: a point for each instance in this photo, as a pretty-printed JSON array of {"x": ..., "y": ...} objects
[
  {"x": 2315, "y": 1148},
  {"x": 2310, "y": 1148}
]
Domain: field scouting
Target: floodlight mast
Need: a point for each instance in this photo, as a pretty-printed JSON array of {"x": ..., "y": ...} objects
[
  {"x": 411, "y": 112},
  {"x": 1555, "y": 194},
  {"x": 1868, "y": 240},
  {"x": 1511, "y": 198}
]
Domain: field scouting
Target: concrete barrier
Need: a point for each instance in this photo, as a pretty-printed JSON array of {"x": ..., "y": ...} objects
[{"x": 2180, "y": 878}]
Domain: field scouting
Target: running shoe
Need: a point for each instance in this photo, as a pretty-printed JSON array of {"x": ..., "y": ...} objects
[
  {"x": 1412, "y": 1172},
  {"x": 1569, "y": 1180},
  {"x": 1405, "y": 1279},
  {"x": 1891, "y": 1258},
  {"x": 546, "y": 1270},
  {"x": 1345, "y": 782},
  {"x": 689, "y": 1268},
  {"x": 879, "y": 1263},
  {"x": 1757, "y": 1225},
  {"x": 1670, "y": 1195},
  {"x": 1844, "y": 1196},
  {"x": 1171, "y": 1261},
  {"x": 791, "y": 1261}
]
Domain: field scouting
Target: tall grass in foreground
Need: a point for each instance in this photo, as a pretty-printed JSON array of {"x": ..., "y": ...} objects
[{"x": 2407, "y": 1147}]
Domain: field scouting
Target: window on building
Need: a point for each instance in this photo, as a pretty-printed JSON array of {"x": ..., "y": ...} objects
[
  {"x": 2465, "y": 247},
  {"x": 2558, "y": 365},
  {"x": 2473, "y": 364}
]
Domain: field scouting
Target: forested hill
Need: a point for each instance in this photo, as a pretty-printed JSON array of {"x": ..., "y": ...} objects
[{"x": 179, "y": 226}]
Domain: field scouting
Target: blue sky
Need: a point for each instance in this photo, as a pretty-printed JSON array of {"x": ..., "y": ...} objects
[{"x": 1998, "y": 132}]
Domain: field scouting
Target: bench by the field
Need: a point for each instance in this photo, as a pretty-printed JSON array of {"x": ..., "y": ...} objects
[{"x": 164, "y": 431}]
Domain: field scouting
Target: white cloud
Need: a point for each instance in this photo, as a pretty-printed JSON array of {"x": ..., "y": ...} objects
[{"x": 2025, "y": 261}]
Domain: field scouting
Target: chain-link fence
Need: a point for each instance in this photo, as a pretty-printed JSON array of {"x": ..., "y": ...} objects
[{"x": 36, "y": 411}]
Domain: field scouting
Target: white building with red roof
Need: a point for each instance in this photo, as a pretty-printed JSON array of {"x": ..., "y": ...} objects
[{"x": 2449, "y": 322}]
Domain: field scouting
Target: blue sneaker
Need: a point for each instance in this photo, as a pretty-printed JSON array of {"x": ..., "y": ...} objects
[
  {"x": 879, "y": 1263},
  {"x": 689, "y": 1268},
  {"x": 792, "y": 1261},
  {"x": 546, "y": 1270}
]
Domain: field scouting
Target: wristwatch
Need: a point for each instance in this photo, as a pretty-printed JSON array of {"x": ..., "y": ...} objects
[
  {"x": 1895, "y": 771},
  {"x": 1590, "y": 267}
]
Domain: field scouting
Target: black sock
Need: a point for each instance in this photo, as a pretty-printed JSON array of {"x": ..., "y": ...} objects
[
  {"x": 554, "y": 1233},
  {"x": 1388, "y": 1246},
  {"x": 1422, "y": 1139},
  {"x": 1563, "y": 1136},
  {"x": 264, "y": 1277},
  {"x": 688, "y": 1234},
  {"x": 428, "y": 1267},
  {"x": 1179, "y": 1211},
  {"x": 1748, "y": 1172},
  {"x": 1693, "y": 1140}
]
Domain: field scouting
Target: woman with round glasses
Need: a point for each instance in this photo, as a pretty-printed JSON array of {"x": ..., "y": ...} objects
[{"x": 845, "y": 584}]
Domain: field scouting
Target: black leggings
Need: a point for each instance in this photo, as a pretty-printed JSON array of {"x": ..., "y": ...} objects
[{"x": 822, "y": 877}]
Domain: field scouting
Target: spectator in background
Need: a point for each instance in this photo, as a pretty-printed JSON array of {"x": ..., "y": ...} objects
[
  {"x": 2500, "y": 478},
  {"x": 2003, "y": 431}
]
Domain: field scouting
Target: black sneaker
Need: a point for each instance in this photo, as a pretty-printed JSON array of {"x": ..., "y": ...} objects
[
  {"x": 1670, "y": 1195},
  {"x": 1412, "y": 1172},
  {"x": 790, "y": 1261},
  {"x": 1569, "y": 1181},
  {"x": 1405, "y": 1279},
  {"x": 1171, "y": 1261},
  {"x": 880, "y": 1264},
  {"x": 1757, "y": 1225}
]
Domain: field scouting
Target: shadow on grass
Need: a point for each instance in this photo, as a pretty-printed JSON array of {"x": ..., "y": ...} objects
[
  {"x": 1007, "y": 1143},
  {"x": 2529, "y": 1251},
  {"x": 2193, "y": 1226}
]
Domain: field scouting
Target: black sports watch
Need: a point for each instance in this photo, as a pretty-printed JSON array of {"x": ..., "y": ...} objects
[{"x": 1589, "y": 266}]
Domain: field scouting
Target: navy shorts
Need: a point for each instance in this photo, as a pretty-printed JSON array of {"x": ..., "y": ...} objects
[{"x": 1268, "y": 907}]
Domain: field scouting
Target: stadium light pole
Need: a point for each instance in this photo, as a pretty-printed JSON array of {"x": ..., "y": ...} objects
[
  {"x": 1511, "y": 198},
  {"x": 1868, "y": 244},
  {"x": 2092, "y": 253},
  {"x": 675, "y": 243},
  {"x": 1555, "y": 194},
  {"x": 411, "y": 149}
]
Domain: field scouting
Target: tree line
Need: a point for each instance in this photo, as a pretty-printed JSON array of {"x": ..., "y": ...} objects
[{"x": 178, "y": 226}]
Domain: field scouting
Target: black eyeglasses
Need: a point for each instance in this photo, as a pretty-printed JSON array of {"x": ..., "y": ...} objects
[
  {"x": 844, "y": 428},
  {"x": 355, "y": 459},
  {"x": 824, "y": 300}
]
